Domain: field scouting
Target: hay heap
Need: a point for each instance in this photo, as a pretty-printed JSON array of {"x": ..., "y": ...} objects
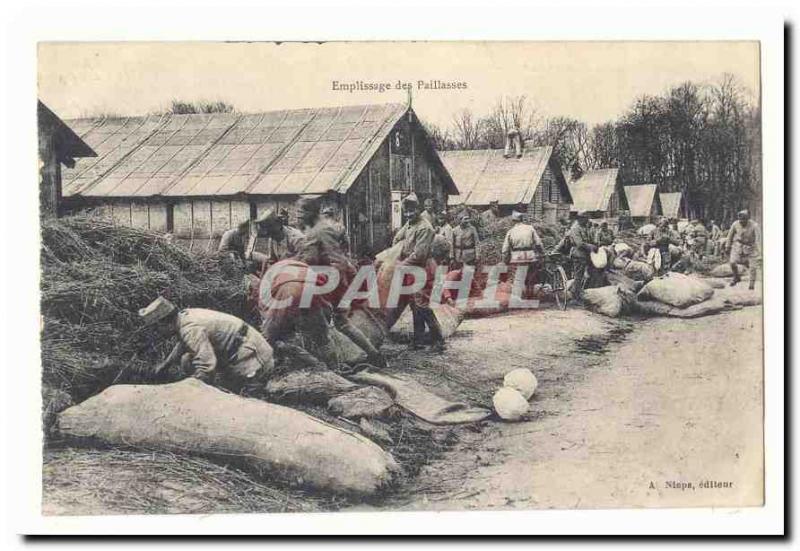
[
  {"x": 491, "y": 246},
  {"x": 95, "y": 277}
]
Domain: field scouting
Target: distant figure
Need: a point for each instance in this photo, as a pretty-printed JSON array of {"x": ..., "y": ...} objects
[
  {"x": 604, "y": 236},
  {"x": 427, "y": 213},
  {"x": 214, "y": 347},
  {"x": 490, "y": 215},
  {"x": 465, "y": 242},
  {"x": 662, "y": 237},
  {"x": 239, "y": 243},
  {"x": 284, "y": 241},
  {"x": 523, "y": 247},
  {"x": 744, "y": 243},
  {"x": 329, "y": 215},
  {"x": 715, "y": 234},
  {"x": 446, "y": 231},
  {"x": 698, "y": 237},
  {"x": 581, "y": 246}
]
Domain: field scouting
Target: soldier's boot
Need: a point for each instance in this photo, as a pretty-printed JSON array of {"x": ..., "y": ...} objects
[
  {"x": 736, "y": 278},
  {"x": 437, "y": 339},
  {"x": 418, "y": 318},
  {"x": 752, "y": 279}
]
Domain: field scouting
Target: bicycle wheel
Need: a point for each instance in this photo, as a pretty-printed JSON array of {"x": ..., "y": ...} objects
[{"x": 560, "y": 287}]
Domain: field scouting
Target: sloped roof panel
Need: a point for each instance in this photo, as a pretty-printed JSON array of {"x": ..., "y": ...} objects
[
  {"x": 292, "y": 151},
  {"x": 640, "y": 199},
  {"x": 671, "y": 204},
  {"x": 484, "y": 175},
  {"x": 593, "y": 190}
]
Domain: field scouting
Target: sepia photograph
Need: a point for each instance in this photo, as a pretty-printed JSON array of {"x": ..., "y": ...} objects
[{"x": 293, "y": 277}]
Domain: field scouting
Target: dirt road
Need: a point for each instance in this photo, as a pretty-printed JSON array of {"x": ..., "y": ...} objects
[{"x": 642, "y": 413}]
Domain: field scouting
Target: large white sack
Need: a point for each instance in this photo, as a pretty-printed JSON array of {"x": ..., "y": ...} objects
[
  {"x": 677, "y": 290},
  {"x": 449, "y": 318},
  {"x": 621, "y": 248},
  {"x": 724, "y": 270},
  {"x": 509, "y": 404},
  {"x": 639, "y": 271},
  {"x": 604, "y": 300},
  {"x": 522, "y": 380},
  {"x": 192, "y": 417},
  {"x": 647, "y": 229}
]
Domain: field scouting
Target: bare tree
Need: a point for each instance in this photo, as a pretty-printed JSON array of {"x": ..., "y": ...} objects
[
  {"x": 509, "y": 112},
  {"x": 466, "y": 129}
]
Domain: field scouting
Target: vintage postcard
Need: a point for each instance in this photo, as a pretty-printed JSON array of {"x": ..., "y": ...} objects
[{"x": 400, "y": 276}]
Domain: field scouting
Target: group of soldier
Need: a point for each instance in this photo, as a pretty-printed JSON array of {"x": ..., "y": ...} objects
[{"x": 219, "y": 346}]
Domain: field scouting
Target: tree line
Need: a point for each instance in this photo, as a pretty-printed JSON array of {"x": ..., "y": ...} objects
[{"x": 703, "y": 140}]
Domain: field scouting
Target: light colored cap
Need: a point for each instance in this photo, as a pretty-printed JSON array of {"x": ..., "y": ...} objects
[
  {"x": 743, "y": 212},
  {"x": 157, "y": 310},
  {"x": 516, "y": 215},
  {"x": 428, "y": 203},
  {"x": 328, "y": 211},
  {"x": 411, "y": 198}
]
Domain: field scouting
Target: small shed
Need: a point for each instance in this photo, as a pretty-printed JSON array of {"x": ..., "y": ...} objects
[
  {"x": 58, "y": 145},
  {"x": 533, "y": 179},
  {"x": 599, "y": 193},
  {"x": 197, "y": 175},
  {"x": 644, "y": 202},
  {"x": 673, "y": 204}
]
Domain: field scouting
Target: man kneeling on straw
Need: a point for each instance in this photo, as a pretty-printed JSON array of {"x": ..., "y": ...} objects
[{"x": 214, "y": 347}]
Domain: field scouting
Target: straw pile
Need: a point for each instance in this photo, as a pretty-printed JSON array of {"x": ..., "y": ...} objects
[
  {"x": 490, "y": 248},
  {"x": 95, "y": 277},
  {"x": 115, "y": 481}
]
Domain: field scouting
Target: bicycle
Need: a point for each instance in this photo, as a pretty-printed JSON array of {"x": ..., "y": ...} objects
[{"x": 552, "y": 274}]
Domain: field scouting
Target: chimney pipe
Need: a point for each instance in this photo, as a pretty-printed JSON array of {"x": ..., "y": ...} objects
[{"x": 513, "y": 137}]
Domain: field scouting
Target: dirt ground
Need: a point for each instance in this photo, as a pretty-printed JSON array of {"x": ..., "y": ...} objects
[{"x": 627, "y": 413}]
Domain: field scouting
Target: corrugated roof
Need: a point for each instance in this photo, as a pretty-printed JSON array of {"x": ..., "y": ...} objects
[
  {"x": 593, "y": 190},
  {"x": 484, "y": 175},
  {"x": 640, "y": 199},
  {"x": 300, "y": 151},
  {"x": 671, "y": 204}
]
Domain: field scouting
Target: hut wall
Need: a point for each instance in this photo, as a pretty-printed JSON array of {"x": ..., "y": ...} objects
[{"x": 548, "y": 203}]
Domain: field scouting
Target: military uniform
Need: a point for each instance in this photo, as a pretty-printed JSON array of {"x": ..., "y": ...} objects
[
  {"x": 604, "y": 237},
  {"x": 699, "y": 237},
  {"x": 417, "y": 236},
  {"x": 662, "y": 238},
  {"x": 465, "y": 244},
  {"x": 744, "y": 242},
  {"x": 218, "y": 344},
  {"x": 580, "y": 239},
  {"x": 520, "y": 248},
  {"x": 288, "y": 246}
]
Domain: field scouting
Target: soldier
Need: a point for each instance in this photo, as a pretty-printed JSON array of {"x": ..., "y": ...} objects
[
  {"x": 284, "y": 241},
  {"x": 490, "y": 215},
  {"x": 698, "y": 234},
  {"x": 604, "y": 236},
  {"x": 329, "y": 215},
  {"x": 714, "y": 236},
  {"x": 523, "y": 247},
  {"x": 322, "y": 246},
  {"x": 446, "y": 231},
  {"x": 213, "y": 346},
  {"x": 427, "y": 213},
  {"x": 239, "y": 243},
  {"x": 465, "y": 242},
  {"x": 661, "y": 238},
  {"x": 417, "y": 236},
  {"x": 744, "y": 244},
  {"x": 580, "y": 240}
]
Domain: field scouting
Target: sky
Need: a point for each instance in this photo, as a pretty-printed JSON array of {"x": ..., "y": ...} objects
[{"x": 591, "y": 81}]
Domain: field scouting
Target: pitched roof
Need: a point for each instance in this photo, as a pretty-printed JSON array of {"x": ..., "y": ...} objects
[
  {"x": 640, "y": 199},
  {"x": 301, "y": 151},
  {"x": 484, "y": 175},
  {"x": 593, "y": 190},
  {"x": 70, "y": 146},
  {"x": 671, "y": 204}
]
